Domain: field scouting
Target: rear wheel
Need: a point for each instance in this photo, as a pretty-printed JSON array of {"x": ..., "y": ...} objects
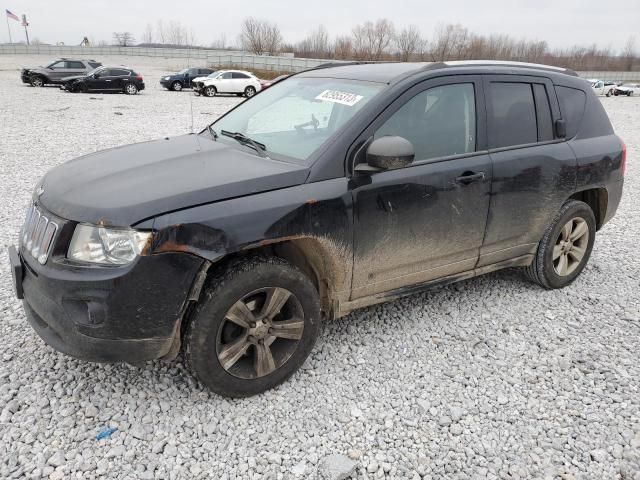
[
  {"x": 36, "y": 81},
  {"x": 608, "y": 94},
  {"x": 177, "y": 86},
  {"x": 210, "y": 91},
  {"x": 249, "y": 91},
  {"x": 130, "y": 89},
  {"x": 254, "y": 327},
  {"x": 565, "y": 247}
]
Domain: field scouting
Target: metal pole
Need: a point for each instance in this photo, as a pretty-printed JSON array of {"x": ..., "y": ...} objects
[
  {"x": 26, "y": 34},
  {"x": 9, "y": 30}
]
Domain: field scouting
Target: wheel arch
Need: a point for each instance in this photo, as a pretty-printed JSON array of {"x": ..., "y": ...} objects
[{"x": 597, "y": 199}]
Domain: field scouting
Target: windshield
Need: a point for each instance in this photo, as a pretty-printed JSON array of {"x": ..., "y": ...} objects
[
  {"x": 213, "y": 74},
  {"x": 97, "y": 69},
  {"x": 183, "y": 71},
  {"x": 294, "y": 117}
]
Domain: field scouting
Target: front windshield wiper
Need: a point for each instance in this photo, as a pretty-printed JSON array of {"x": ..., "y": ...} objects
[
  {"x": 244, "y": 140},
  {"x": 212, "y": 132}
]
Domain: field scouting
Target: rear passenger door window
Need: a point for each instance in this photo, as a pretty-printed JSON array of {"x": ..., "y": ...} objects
[{"x": 519, "y": 113}]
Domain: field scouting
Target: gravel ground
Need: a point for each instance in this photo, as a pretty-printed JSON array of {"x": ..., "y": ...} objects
[{"x": 492, "y": 377}]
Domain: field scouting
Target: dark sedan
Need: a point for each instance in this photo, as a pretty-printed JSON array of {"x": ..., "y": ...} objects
[
  {"x": 183, "y": 78},
  {"x": 105, "y": 79}
]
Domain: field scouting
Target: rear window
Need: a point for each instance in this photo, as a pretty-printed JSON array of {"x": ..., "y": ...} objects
[
  {"x": 572, "y": 103},
  {"x": 513, "y": 119},
  {"x": 119, "y": 73},
  {"x": 239, "y": 75}
]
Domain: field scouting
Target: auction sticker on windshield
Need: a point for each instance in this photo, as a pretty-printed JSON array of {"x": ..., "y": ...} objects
[{"x": 343, "y": 98}]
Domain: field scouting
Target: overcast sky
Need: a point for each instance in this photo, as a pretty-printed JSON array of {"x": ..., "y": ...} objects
[{"x": 561, "y": 23}]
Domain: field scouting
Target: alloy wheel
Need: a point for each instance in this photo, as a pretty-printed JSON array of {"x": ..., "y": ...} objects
[
  {"x": 177, "y": 86},
  {"x": 210, "y": 91},
  {"x": 250, "y": 92},
  {"x": 571, "y": 246},
  {"x": 131, "y": 89},
  {"x": 37, "y": 82},
  {"x": 260, "y": 332}
]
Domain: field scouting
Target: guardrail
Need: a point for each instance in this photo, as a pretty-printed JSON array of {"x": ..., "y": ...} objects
[
  {"x": 186, "y": 56},
  {"x": 612, "y": 76}
]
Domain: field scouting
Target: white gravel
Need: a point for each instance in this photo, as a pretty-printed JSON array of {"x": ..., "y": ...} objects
[{"x": 492, "y": 377}]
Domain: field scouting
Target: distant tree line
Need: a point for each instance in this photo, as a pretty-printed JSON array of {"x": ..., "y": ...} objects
[{"x": 382, "y": 40}]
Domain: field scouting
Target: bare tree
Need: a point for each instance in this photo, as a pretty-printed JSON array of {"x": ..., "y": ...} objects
[
  {"x": 260, "y": 37},
  {"x": 371, "y": 40},
  {"x": 123, "y": 39},
  {"x": 629, "y": 53},
  {"x": 220, "y": 43},
  {"x": 147, "y": 35},
  {"x": 408, "y": 42},
  {"x": 343, "y": 48},
  {"x": 161, "y": 32}
]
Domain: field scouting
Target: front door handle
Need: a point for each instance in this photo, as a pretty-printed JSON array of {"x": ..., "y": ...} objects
[{"x": 469, "y": 177}]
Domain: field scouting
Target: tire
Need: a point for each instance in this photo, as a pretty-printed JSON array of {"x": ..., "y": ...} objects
[
  {"x": 210, "y": 91},
  {"x": 130, "y": 89},
  {"x": 37, "y": 81},
  {"x": 82, "y": 88},
  {"x": 547, "y": 271},
  {"x": 608, "y": 94},
  {"x": 176, "y": 86},
  {"x": 210, "y": 332},
  {"x": 249, "y": 91}
]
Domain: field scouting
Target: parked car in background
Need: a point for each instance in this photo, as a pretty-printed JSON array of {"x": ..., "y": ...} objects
[
  {"x": 183, "y": 78},
  {"x": 603, "y": 88},
  {"x": 267, "y": 83},
  {"x": 628, "y": 89},
  {"x": 239, "y": 82},
  {"x": 105, "y": 79},
  {"x": 339, "y": 188},
  {"x": 53, "y": 73}
]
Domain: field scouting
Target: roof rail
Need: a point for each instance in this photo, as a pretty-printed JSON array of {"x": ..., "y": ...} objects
[{"x": 506, "y": 63}]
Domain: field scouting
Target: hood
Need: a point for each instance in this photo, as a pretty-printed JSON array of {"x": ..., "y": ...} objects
[
  {"x": 199, "y": 79},
  {"x": 124, "y": 185}
]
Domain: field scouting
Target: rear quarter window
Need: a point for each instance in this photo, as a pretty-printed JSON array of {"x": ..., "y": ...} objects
[{"x": 572, "y": 103}]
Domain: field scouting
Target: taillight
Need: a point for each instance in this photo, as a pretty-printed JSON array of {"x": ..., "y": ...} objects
[
  {"x": 139, "y": 78},
  {"x": 623, "y": 161}
]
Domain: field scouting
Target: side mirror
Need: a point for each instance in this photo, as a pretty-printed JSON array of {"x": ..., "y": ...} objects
[
  {"x": 560, "y": 128},
  {"x": 388, "y": 153}
]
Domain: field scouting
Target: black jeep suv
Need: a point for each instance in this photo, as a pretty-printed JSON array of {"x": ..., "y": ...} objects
[{"x": 337, "y": 188}]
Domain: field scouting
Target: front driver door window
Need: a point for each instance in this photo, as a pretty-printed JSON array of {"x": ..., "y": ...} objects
[{"x": 427, "y": 220}]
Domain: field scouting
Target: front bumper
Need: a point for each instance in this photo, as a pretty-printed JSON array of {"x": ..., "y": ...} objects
[
  {"x": 106, "y": 314},
  {"x": 24, "y": 76},
  {"x": 165, "y": 83}
]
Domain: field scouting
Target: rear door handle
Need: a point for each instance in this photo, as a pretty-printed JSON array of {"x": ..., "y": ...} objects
[{"x": 469, "y": 177}]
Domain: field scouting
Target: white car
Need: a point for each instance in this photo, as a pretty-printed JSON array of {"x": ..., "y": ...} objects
[
  {"x": 600, "y": 88},
  {"x": 628, "y": 89},
  {"x": 227, "y": 81}
]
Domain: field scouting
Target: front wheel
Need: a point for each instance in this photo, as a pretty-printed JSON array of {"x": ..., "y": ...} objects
[
  {"x": 249, "y": 91},
  {"x": 254, "y": 327},
  {"x": 176, "y": 86},
  {"x": 36, "y": 81},
  {"x": 210, "y": 91},
  {"x": 608, "y": 94},
  {"x": 565, "y": 247},
  {"x": 130, "y": 89}
]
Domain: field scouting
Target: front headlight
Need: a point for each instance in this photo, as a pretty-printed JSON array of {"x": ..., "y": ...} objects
[
  {"x": 106, "y": 246},
  {"x": 167, "y": 78}
]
